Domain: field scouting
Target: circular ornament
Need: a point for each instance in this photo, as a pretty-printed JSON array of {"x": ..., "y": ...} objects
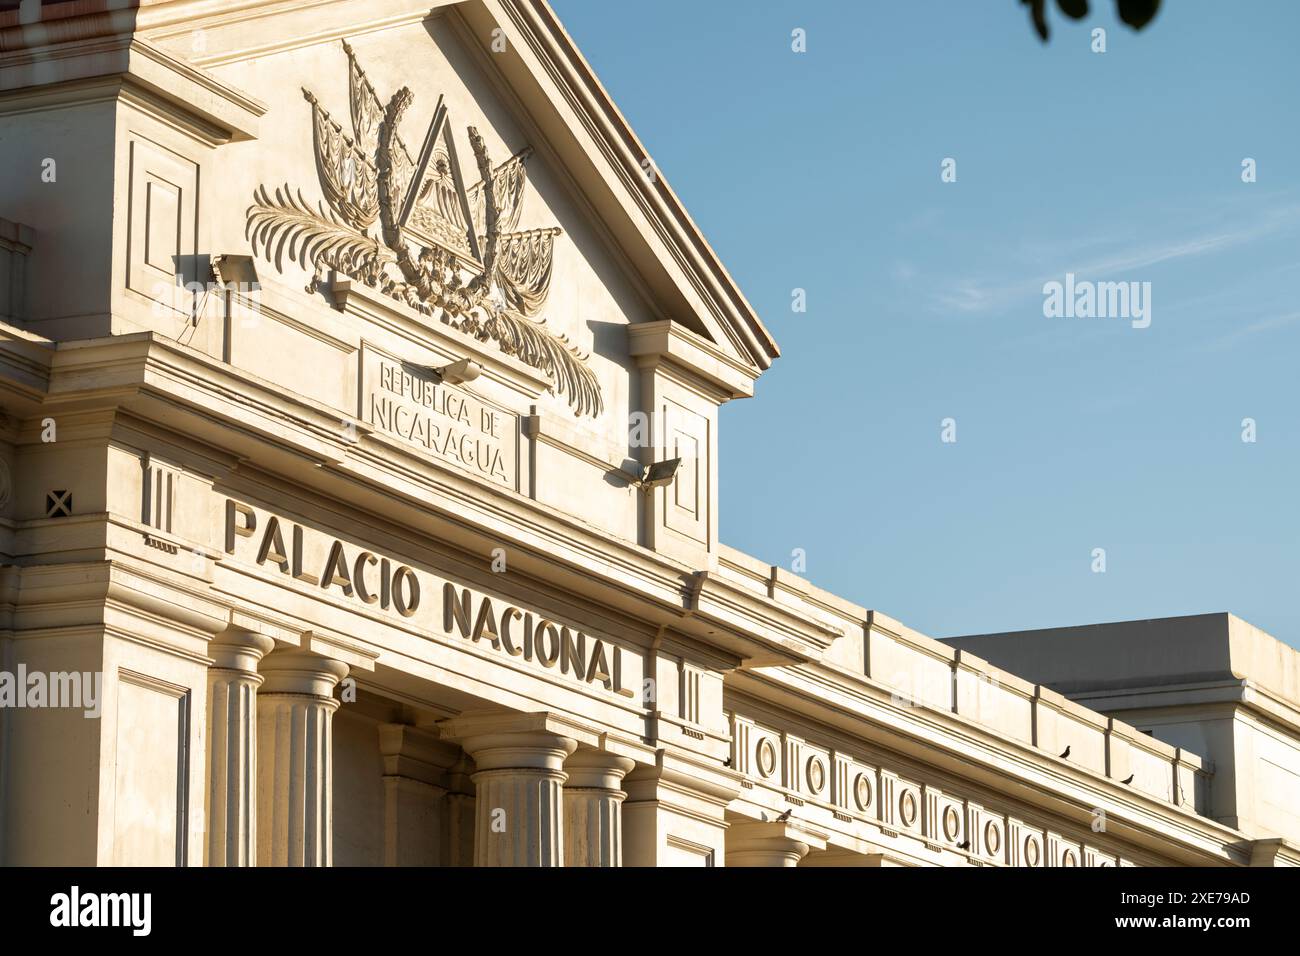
[
  {"x": 992, "y": 837},
  {"x": 907, "y": 808},
  {"x": 816, "y": 774},
  {"x": 951, "y": 824},
  {"x": 862, "y": 791},
  {"x": 1033, "y": 853},
  {"x": 766, "y": 757}
]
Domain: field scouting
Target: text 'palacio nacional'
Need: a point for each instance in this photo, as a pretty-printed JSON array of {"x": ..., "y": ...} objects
[{"x": 360, "y": 380}]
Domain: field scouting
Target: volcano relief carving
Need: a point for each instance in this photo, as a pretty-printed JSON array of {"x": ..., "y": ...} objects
[{"x": 408, "y": 227}]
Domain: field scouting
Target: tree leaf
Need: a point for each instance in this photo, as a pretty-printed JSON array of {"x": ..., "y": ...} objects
[
  {"x": 1074, "y": 9},
  {"x": 1137, "y": 13}
]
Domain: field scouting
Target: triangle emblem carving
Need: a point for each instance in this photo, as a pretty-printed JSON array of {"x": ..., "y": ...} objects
[{"x": 408, "y": 226}]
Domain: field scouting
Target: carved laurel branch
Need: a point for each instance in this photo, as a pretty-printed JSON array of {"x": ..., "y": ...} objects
[
  {"x": 315, "y": 239},
  {"x": 553, "y": 354}
]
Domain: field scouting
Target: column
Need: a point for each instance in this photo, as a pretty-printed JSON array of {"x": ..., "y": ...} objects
[
  {"x": 593, "y": 798},
  {"x": 232, "y": 746},
  {"x": 519, "y": 787},
  {"x": 295, "y": 711},
  {"x": 774, "y": 843}
]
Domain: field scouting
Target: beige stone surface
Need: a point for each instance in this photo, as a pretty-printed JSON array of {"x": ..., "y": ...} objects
[{"x": 368, "y": 559}]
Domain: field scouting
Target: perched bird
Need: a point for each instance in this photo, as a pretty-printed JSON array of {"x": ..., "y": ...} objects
[
  {"x": 964, "y": 845},
  {"x": 727, "y": 762},
  {"x": 1066, "y": 753},
  {"x": 1129, "y": 779},
  {"x": 783, "y": 817}
]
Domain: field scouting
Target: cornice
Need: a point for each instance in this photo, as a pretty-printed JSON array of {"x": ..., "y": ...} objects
[
  {"x": 62, "y": 25},
  {"x": 157, "y": 380},
  {"x": 24, "y": 365},
  {"x": 667, "y": 342},
  {"x": 96, "y": 66},
  {"x": 959, "y": 745},
  {"x": 565, "y": 76},
  {"x": 175, "y": 19},
  {"x": 1230, "y": 690},
  {"x": 79, "y": 594},
  {"x": 716, "y": 599},
  {"x": 1274, "y": 851}
]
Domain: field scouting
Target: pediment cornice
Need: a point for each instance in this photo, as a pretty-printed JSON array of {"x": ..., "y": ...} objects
[
  {"x": 549, "y": 65},
  {"x": 566, "y": 112}
]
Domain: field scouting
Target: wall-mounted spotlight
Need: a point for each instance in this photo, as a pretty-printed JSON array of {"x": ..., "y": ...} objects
[
  {"x": 655, "y": 476},
  {"x": 458, "y": 372},
  {"x": 235, "y": 270}
]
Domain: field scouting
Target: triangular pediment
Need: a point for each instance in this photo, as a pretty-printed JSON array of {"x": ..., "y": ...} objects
[
  {"x": 513, "y": 60},
  {"x": 466, "y": 164}
]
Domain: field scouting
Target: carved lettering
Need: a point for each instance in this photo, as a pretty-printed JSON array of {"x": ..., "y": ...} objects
[
  {"x": 454, "y": 426},
  {"x": 342, "y": 570}
]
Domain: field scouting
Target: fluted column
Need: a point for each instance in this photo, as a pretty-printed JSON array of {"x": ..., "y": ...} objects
[
  {"x": 519, "y": 787},
  {"x": 233, "y": 681},
  {"x": 295, "y": 711},
  {"x": 593, "y": 808}
]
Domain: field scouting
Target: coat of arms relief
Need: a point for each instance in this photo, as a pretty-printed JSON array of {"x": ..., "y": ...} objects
[{"x": 408, "y": 227}]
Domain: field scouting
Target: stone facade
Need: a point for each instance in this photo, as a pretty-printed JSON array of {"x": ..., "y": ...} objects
[{"x": 361, "y": 380}]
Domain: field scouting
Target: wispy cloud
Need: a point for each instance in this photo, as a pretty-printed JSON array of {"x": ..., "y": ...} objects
[
  {"x": 1250, "y": 330},
  {"x": 973, "y": 295}
]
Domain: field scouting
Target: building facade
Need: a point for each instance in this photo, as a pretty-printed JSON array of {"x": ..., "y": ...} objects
[{"x": 359, "y": 506}]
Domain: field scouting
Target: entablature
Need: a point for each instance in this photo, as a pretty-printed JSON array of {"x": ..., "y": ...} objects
[
  {"x": 301, "y": 443},
  {"x": 873, "y": 715}
]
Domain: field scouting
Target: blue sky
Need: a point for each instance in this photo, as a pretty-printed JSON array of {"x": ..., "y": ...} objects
[{"x": 821, "y": 171}]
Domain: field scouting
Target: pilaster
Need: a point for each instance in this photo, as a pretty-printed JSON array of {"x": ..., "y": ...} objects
[{"x": 674, "y": 812}]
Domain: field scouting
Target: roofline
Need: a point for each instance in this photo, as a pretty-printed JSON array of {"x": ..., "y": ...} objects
[
  {"x": 689, "y": 271},
  {"x": 540, "y": 25}
]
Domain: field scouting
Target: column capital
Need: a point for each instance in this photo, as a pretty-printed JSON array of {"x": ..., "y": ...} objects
[
  {"x": 519, "y": 750},
  {"x": 590, "y": 769},
  {"x": 237, "y": 649},
  {"x": 509, "y": 741},
  {"x": 301, "y": 672},
  {"x": 771, "y": 843}
]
